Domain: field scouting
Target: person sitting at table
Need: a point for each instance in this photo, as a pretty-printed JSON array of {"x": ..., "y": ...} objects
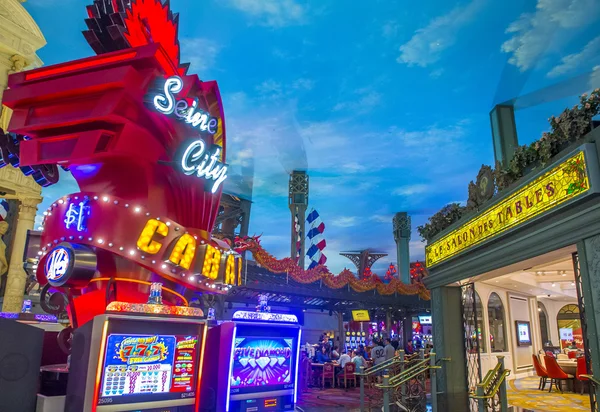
[
  {"x": 335, "y": 354},
  {"x": 409, "y": 349},
  {"x": 358, "y": 359},
  {"x": 322, "y": 356},
  {"x": 344, "y": 359}
]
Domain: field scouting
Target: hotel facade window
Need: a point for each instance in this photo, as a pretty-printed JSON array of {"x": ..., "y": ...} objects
[
  {"x": 470, "y": 329},
  {"x": 497, "y": 324}
]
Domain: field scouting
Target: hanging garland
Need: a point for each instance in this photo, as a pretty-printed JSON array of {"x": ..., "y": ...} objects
[{"x": 320, "y": 272}]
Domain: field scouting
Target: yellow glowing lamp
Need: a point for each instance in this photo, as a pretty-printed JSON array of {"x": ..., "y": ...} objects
[
  {"x": 212, "y": 261},
  {"x": 145, "y": 242},
  {"x": 184, "y": 251}
]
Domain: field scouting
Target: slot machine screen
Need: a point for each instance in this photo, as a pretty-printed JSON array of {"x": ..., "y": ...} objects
[
  {"x": 140, "y": 365},
  {"x": 262, "y": 362}
]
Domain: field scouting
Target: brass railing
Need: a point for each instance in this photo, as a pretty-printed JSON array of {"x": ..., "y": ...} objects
[
  {"x": 491, "y": 392},
  {"x": 408, "y": 386}
]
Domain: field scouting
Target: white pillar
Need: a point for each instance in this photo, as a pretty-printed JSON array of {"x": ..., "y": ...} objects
[{"x": 16, "y": 277}]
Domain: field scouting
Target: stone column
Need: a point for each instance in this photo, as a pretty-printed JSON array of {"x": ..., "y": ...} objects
[
  {"x": 401, "y": 225},
  {"x": 407, "y": 330},
  {"x": 448, "y": 342},
  {"x": 388, "y": 323},
  {"x": 16, "y": 277},
  {"x": 589, "y": 269}
]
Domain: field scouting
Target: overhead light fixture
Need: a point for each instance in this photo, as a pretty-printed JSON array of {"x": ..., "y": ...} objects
[
  {"x": 539, "y": 309},
  {"x": 553, "y": 284},
  {"x": 563, "y": 273},
  {"x": 572, "y": 283}
]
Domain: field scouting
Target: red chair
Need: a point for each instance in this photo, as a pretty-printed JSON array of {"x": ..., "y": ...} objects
[
  {"x": 572, "y": 354},
  {"x": 548, "y": 353},
  {"x": 541, "y": 372},
  {"x": 329, "y": 374},
  {"x": 555, "y": 373},
  {"x": 582, "y": 370},
  {"x": 347, "y": 374}
]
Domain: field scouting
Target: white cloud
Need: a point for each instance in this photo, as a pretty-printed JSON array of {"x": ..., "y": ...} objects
[
  {"x": 381, "y": 218},
  {"x": 427, "y": 44},
  {"x": 532, "y": 33},
  {"x": 433, "y": 136},
  {"x": 344, "y": 221},
  {"x": 366, "y": 99},
  {"x": 200, "y": 52},
  {"x": 416, "y": 250},
  {"x": 242, "y": 157},
  {"x": 274, "y": 13},
  {"x": 411, "y": 190},
  {"x": 572, "y": 62},
  {"x": 436, "y": 73},
  {"x": 353, "y": 167}
]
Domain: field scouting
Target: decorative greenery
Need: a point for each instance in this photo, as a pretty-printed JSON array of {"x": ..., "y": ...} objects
[
  {"x": 441, "y": 220},
  {"x": 572, "y": 125}
]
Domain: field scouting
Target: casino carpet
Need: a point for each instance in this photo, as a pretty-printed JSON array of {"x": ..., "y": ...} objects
[
  {"x": 524, "y": 393},
  {"x": 325, "y": 400}
]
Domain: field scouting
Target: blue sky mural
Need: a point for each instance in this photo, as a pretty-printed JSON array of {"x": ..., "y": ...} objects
[{"x": 385, "y": 103}]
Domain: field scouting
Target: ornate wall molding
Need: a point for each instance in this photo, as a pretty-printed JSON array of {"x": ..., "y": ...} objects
[{"x": 13, "y": 182}]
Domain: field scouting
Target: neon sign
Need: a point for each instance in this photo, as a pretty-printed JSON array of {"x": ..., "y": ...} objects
[
  {"x": 166, "y": 103},
  {"x": 77, "y": 215},
  {"x": 197, "y": 159},
  {"x": 560, "y": 184},
  {"x": 265, "y": 316},
  {"x": 185, "y": 253},
  {"x": 57, "y": 264}
]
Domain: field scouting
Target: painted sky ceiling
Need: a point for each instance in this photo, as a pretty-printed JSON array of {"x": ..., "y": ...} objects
[{"x": 386, "y": 106}]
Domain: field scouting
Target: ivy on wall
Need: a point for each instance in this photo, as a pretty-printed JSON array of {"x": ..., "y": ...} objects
[{"x": 572, "y": 125}]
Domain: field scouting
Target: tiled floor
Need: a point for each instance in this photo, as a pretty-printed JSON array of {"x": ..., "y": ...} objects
[{"x": 524, "y": 393}]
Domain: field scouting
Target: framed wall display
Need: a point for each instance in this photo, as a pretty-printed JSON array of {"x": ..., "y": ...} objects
[{"x": 523, "y": 332}]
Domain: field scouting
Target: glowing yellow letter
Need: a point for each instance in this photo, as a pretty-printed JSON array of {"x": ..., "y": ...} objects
[
  {"x": 230, "y": 270},
  {"x": 145, "y": 242},
  {"x": 183, "y": 252},
  {"x": 212, "y": 259}
]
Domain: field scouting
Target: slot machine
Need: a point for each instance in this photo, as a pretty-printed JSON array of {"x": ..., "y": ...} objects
[
  {"x": 137, "y": 357},
  {"x": 255, "y": 366}
]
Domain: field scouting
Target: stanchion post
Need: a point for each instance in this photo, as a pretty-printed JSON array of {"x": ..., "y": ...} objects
[
  {"x": 433, "y": 382},
  {"x": 362, "y": 389},
  {"x": 386, "y": 392},
  {"x": 502, "y": 392},
  {"x": 481, "y": 400},
  {"x": 421, "y": 353},
  {"x": 402, "y": 368}
]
